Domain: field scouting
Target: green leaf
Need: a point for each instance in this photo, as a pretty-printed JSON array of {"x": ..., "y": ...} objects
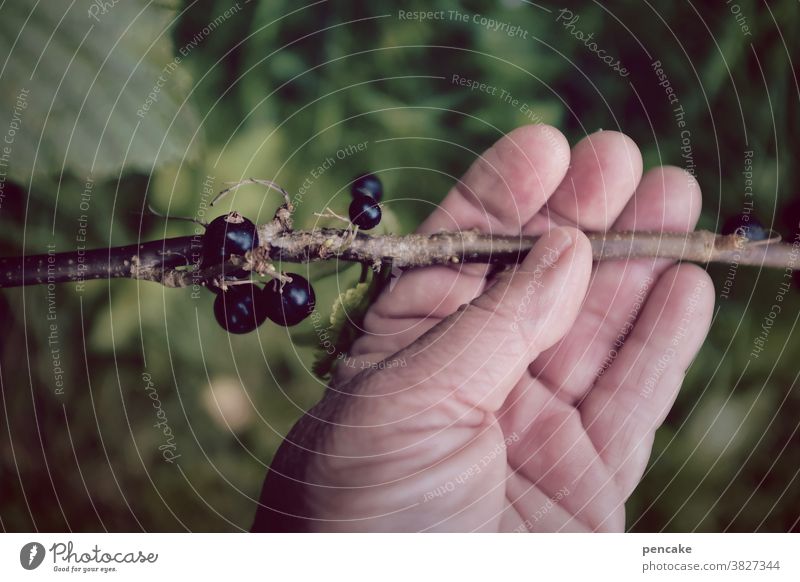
[
  {"x": 91, "y": 92},
  {"x": 347, "y": 318},
  {"x": 348, "y": 304},
  {"x": 347, "y": 314}
]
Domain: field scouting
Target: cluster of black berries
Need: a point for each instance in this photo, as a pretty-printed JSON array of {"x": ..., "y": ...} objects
[
  {"x": 242, "y": 306},
  {"x": 365, "y": 209}
]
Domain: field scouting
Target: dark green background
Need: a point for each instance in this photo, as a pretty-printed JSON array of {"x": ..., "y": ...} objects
[{"x": 277, "y": 89}]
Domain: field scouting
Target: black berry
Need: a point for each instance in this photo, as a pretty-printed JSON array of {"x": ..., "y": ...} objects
[
  {"x": 365, "y": 212},
  {"x": 746, "y": 225},
  {"x": 291, "y": 304},
  {"x": 238, "y": 308},
  {"x": 367, "y": 185},
  {"x": 226, "y": 235}
]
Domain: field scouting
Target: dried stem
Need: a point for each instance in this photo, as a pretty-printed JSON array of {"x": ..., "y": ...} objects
[{"x": 170, "y": 263}]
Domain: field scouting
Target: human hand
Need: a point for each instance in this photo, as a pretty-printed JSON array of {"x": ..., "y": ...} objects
[{"x": 509, "y": 403}]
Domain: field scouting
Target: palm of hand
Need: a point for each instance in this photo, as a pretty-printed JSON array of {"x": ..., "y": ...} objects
[{"x": 534, "y": 408}]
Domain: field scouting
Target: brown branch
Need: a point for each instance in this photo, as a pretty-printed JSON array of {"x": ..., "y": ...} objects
[
  {"x": 416, "y": 250},
  {"x": 168, "y": 262}
]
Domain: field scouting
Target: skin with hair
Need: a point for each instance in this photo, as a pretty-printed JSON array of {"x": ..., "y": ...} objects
[{"x": 524, "y": 400}]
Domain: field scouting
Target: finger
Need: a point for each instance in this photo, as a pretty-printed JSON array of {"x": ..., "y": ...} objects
[
  {"x": 668, "y": 199},
  {"x": 479, "y": 353},
  {"x": 631, "y": 400},
  {"x": 533, "y": 509},
  {"x": 604, "y": 172},
  {"x": 555, "y": 454},
  {"x": 507, "y": 185},
  {"x": 500, "y": 193}
]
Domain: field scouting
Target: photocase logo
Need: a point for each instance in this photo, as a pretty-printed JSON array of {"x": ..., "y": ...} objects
[{"x": 31, "y": 555}]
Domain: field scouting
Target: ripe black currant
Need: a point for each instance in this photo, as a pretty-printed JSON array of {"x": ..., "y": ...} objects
[
  {"x": 746, "y": 225},
  {"x": 291, "y": 304},
  {"x": 226, "y": 235},
  {"x": 238, "y": 308},
  {"x": 365, "y": 212},
  {"x": 367, "y": 185}
]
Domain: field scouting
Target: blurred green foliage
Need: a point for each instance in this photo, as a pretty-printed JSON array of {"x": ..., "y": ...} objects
[{"x": 279, "y": 88}]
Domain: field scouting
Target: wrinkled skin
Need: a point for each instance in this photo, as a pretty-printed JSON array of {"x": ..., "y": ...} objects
[{"x": 509, "y": 401}]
